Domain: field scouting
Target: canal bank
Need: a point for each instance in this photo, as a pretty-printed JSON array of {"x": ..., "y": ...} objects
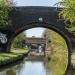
[
  {"x": 30, "y": 66},
  {"x": 12, "y": 57}
]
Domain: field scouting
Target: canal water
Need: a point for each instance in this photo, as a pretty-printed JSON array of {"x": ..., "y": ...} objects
[
  {"x": 31, "y": 68},
  {"x": 27, "y": 68}
]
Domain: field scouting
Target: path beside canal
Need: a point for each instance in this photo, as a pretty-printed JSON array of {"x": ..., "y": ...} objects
[{"x": 12, "y": 57}]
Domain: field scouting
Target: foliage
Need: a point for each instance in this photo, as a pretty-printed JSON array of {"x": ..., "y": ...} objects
[
  {"x": 68, "y": 13},
  {"x": 59, "y": 55},
  {"x": 71, "y": 29},
  {"x": 5, "y": 8},
  {"x": 18, "y": 40}
]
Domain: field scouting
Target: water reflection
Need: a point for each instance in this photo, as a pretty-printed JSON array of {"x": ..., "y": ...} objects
[
  {"x": 11, "y": 72},
  {"x": 28, "y": 68},
  {"x": 70, "y": 72},
  {"x": 33, "y": 68}
]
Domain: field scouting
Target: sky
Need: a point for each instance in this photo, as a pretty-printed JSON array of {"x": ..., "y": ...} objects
[
  {"x": 36, "y": 2},
  {"x": 37, "y": 32}
]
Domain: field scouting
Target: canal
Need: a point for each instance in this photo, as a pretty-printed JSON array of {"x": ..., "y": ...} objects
[
  {"x": 27, "y": 68},
  {"x": 32, "y": 67}
]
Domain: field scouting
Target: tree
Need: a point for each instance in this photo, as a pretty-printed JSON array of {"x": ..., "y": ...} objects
[
  {"x": 5, "y": 8},
  {"x": 68, "y": 13},
  {"x": 18, "y": 40}
]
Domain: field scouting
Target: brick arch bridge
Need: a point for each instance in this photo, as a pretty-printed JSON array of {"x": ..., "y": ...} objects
[{"x": 24, "y": 18}]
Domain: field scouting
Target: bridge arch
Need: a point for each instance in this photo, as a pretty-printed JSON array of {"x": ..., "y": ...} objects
[
  {"x": 44, "y": 25},
  {"x": 24, "y": 18},
  {"x": 49, "y": 26}
]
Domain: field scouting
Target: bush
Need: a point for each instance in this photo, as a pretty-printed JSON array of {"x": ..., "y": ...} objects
[{"x": 5, "y": 8}]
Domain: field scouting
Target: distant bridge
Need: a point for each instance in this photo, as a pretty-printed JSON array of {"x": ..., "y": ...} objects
[{"x": 34, "y": 40}]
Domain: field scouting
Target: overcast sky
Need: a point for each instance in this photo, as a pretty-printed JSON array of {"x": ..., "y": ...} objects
[
  {"x": 35, "y": 31},
  {"x": 36, "y": 2}
]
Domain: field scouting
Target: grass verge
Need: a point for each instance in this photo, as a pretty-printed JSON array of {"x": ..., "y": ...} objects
[{"x": 15, "y": 55}]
